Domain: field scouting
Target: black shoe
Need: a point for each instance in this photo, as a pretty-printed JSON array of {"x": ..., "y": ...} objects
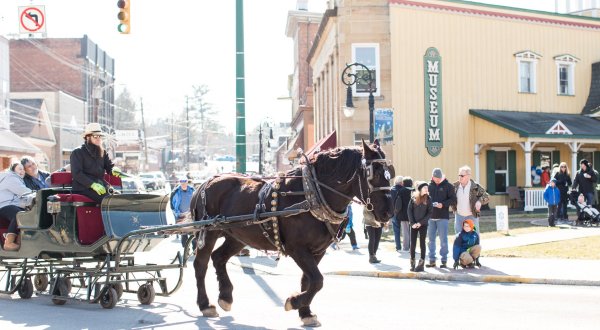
[
  {"x": 412, "y": 265},
  {"x": 430, "y": 264},
  {"x": 419, "y": 267},
  {"x": 471, "y": 265},
  {"x": 477, "y": 263},
  {"x": 373, "y": 259},
  {"x": 443, "y": 265}
]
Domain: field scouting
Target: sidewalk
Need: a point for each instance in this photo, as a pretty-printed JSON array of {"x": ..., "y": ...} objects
[{"x": 345, "y": 261}]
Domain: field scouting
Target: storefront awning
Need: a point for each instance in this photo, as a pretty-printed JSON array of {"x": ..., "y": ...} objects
[
  {"x": 326, "y": 143},
  {"x": 295, "y": 143},
  {"x": 543, "y": 124},
  {"x": 11, "y": 142}
]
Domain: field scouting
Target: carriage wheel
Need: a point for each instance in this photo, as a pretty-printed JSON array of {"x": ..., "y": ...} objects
[
  {"x": 26, "y": 289},
  {"x": 109, "y": 298},
  {"x": 119, "y": 288},
  {"x": 40, "y": 282},
  {"x": 60, "y": 289},
  {"x": 146, "y": 294}
]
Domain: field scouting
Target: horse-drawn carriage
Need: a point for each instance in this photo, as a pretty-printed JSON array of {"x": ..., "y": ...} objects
[
  {"x": 298, "y": 214},
  {"x": 69, "y": 241}
]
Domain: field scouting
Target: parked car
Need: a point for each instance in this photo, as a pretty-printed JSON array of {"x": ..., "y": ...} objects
[
  {"x": 132, "y": 185},
  {"x": 153, "y": 180}
]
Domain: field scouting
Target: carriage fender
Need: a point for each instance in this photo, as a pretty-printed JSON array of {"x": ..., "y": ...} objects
[{"x": 122, "y": 214}]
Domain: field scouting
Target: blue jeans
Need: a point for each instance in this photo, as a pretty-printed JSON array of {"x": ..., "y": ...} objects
[
  {"x": 589, "y": 198},
  {"x": 458, "y": 220},
  {"x": 439, "y": 227},
  {"x": 396, "y": 227}
]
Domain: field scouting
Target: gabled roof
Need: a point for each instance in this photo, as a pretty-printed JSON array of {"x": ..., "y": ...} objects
[
  {"x": 25, "y": 115},
  {"x": 540, "y": 124}
]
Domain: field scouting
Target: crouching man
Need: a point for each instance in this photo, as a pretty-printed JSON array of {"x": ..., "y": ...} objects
[{"x": 466, "y": 246}]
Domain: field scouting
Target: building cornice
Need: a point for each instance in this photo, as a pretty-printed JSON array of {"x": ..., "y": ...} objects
[{"x": 503, "y": 12}]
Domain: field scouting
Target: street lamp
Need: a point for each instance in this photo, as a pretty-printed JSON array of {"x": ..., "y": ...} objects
[
  {"x": 357, "y": 73},
  {"x": 260, "y": 147}
]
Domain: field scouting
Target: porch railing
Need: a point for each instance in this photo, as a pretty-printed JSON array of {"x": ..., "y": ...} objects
[{"x": 534, "y": 199}]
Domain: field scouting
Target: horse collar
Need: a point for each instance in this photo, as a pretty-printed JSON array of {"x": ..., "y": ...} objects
[{"x": 317, "y": 204}]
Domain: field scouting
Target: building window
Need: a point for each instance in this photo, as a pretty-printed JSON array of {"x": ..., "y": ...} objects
[
  {"x": 527, "y": 70},
  {"x": 367, "y": 55},
  {"x": 358, "y": 137},
  {"x": 501, "y": 171},
  {"x": 565, "y": 74}
]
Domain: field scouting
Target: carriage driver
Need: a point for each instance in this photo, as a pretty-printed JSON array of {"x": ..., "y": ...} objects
[{"x": 89, "y": 163}]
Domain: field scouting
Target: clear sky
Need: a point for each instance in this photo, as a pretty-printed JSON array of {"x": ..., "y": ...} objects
[{"x": 176, "y": 44}]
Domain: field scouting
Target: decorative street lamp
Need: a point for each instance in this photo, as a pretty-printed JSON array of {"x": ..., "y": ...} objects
[
  {"x": 260, "y": 146},
  {"x": 357, "y": 73}
]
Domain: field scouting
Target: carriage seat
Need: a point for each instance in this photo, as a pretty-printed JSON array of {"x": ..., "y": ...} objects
[{"x": 65, "y": 179}]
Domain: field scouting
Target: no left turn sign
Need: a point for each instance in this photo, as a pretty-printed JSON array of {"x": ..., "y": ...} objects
[{"x": 32, "y": 19}]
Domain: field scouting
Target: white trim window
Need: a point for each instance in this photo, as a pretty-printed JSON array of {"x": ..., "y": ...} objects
[
  {"x": 527, "y": 71},
  {"x": 501, "y": 170},
  {"x": 359, "y": 137},
  {"x": 565, "y": 74},
  {"x": 368, "y": 55}
]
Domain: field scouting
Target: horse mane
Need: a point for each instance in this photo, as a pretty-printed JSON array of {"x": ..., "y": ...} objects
[{"x": 339, "y": 163}]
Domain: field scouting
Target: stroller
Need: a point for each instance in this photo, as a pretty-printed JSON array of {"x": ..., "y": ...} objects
[{"x": 587, "y": 215}]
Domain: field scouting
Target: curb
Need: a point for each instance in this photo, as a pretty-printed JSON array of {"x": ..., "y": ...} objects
[{"x": 467, "y": 278}]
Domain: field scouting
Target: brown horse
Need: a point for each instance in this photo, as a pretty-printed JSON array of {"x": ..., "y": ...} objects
[{"x": 308, "y": 203}]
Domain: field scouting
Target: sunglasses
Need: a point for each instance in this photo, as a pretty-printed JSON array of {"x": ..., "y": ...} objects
[
  {"x": 96, "y": 136},
  {"x": 563, "y": 167},
  {"x": 462, "y": 175}
]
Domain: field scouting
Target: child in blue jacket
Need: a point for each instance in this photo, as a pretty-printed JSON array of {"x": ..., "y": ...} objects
[
  {"x": 466, "y": 246},
  {"x": 552, "y": 197}
]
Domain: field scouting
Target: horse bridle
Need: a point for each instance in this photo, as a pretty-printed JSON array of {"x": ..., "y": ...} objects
[{"x": 368, "y": 172}]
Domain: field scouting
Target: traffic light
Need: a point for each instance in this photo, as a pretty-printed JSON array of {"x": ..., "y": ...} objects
[{"x": 123, "y": 16}]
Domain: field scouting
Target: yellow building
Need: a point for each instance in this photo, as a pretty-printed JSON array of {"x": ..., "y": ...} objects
[{"x": 497, "y": 88}]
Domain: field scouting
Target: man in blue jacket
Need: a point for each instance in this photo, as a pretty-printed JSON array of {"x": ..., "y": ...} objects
[
  {"x": 181, "y": 198},
  {"x": 552, "y": 197},
  {"x": 442, "y": 196}
]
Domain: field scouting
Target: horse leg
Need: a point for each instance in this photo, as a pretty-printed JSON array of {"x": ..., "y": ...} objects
[
  {"x": 200, "y": 267},
  {"x": 310, "y": 284},
  {"x": 219, "y": 257}
]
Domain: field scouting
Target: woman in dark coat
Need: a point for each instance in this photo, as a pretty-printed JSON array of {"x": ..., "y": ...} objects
[
  {"x": 89, "y": 163},
  {"x": 563, "y": 182},
  {"x": 419, "y": 212}
]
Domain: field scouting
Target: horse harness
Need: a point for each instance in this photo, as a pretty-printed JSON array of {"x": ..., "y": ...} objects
[{"x": 314, "y": 203}]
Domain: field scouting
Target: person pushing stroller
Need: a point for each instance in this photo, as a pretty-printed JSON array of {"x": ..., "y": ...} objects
[{"x": 586, "y": 214}]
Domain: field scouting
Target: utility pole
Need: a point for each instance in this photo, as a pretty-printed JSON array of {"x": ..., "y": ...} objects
[
  {"x": 172, "y": 141},
  {"x": 240, "y": 90},
  {"x": 187, "y": 126},
  {"x": 144, "y": 133},
  {"x": 260, "y": 152}
]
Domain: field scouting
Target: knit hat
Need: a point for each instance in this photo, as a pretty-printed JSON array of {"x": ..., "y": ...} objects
[
  {"x": 585, "y": 161},
  {"x": 421, "y": 185},
  {"x": 437, "y": 173},
  {"x": 470, "y": 223}
]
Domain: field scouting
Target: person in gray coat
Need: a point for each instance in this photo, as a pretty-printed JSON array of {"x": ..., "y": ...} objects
[{"x": 13, "y": 199}]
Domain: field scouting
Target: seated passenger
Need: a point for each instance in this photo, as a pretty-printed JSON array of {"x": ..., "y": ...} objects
[
  {"x": 584, "y": 209},
  {"x": 35, "y": 179},
  {"x": 466, "y": 246},
  {"x": 89, "y": 163},
  {"x": 12, "y": 201}
]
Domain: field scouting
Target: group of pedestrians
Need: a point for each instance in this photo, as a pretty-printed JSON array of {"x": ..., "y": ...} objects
[
  {"x": 556, "y": 192},
  {"x": 428, "y": 212},
  {"x": 423, "y": 212}
]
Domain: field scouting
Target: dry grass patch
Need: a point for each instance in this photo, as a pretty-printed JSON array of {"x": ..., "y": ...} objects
[{"x": 580, "y": 248}]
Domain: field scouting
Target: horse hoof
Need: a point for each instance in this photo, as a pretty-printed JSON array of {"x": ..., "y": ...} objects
[
  {"x": 211, "y": 311},
  {"x": 311, "y": 321},
  {"x": 288, "y": 304},
  {"x": 224, "y": 305}
]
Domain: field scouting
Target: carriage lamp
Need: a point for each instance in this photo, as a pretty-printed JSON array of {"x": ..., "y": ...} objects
[
  {"x": 53, "y": 204},
  {"x": 357, "y": 73}
]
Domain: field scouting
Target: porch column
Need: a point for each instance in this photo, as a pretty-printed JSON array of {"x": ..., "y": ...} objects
[
  {"x": 478, "y": 148},
  {"x": 527, "y": 147},
  {"x": 574, "y": 149}
]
